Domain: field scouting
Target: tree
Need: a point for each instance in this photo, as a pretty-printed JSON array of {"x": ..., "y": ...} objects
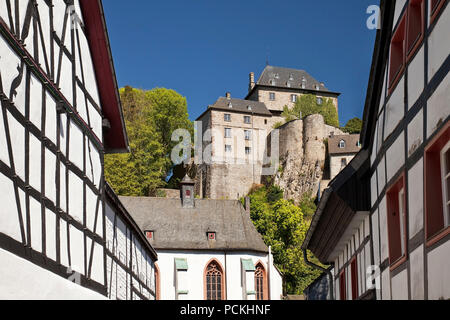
[
  {"x": 308, "y": 104},
  {"x": 283, "y": 227},
  {"x": 150, "y": 118},
  {"x": 353, "y": 126}
]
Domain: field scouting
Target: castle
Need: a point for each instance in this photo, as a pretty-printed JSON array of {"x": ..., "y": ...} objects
[{"x": 237, "y": 132}]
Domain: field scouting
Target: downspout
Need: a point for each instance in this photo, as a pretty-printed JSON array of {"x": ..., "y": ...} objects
[
  {"x": 226, "y": 272},
  {"x": 328, "y": 272}
]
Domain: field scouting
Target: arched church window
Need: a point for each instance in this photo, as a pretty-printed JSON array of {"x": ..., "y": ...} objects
[
  {"x": 214, "y": 281},
  {"x": 260, "y": 282}
]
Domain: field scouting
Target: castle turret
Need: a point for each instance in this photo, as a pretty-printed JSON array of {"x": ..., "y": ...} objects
[{"x": 314, "y": 128}]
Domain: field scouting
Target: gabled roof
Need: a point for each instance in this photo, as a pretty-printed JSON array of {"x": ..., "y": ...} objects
[
  {"x": 178, "y": 228},
  {"x": 351, "y": 144},
  {"x": 115, "y": 138},
  {"x": 240, "y": 106},
  {"x": 282, "y": 76}
]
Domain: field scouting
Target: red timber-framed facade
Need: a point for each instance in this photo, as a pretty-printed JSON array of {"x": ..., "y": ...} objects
[
  {"x": 60, "y": 113},
  {"x": 402, "y": 168}
]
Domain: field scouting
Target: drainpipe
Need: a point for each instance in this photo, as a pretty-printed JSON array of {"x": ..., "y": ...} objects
[
  {"x": 269, "y": 274},
  {"x": 328, "y": 272}
]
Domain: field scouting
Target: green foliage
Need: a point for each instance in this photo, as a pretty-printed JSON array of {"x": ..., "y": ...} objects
[
  {"x": 308, "y": 206},
  {"x": 150, "y": 118},
  {"x": 353, "y": 126},
  {"x": 278, "y": 125},
  {"x": 307, "y": 105},
  {"x": 283, "y": 227}
]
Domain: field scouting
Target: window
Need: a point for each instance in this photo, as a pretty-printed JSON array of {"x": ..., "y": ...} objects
[
  {"x": 260, "y": 282},
  {"x": 247, "y": 134},
  {"x": 303, "y": 83},
  {"x": 437, "y": 187},
  {"x": 247, "y": 120},
  {"x": 230, "y": 105},
  {"x": 272, "y": 96},
  {"x": 249, "y": 108},
  {"x": 188, "y": 193},
  {"x": 396, "y": 220},
  {"x": 343, "y": 162},
  {"x": 277, "y": 76},
  {"x": 397, "y": 60},
  {"x": 354, "y": 274},
  {"x": 227, "y": 132},
  {"x": 227, "y": 117},
  {"x": 342, "y": 286},
  {"x": 416, "y": 25},
  {"x": 294, "y": 98},
  {"x": 228, "y": 148},
  {"x": 214, "y": 284},
  {"x": 150, "y": 235},
  {"x": 211, "y": 236},
  {"x": 319, "y": 101},
  {"x": 248, "y": 150},
  {"x": 291, "y": 77},
  {"x": 342, "y": 144},
  {"x": 265, "y": 121}
]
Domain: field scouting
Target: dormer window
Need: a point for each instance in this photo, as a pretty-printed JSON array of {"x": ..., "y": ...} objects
[
  {"x": 272, "y": 82},
  {"x": 288, "y": 84},
  {"x": 277, "y": 76},
  {"x": 230, "y": 105},
  {"x": 291, "y": 77},
  {"x": 249, "y": 108},
  {"x": 342, "y": 144},
  {"x": 317, "y": 87},
  {"x": 303, "y": 83},
  {"x": 150, "y": 235},
  {"x": 211, "y": 236}
]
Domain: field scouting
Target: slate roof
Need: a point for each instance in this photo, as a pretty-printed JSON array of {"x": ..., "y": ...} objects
[
  {"x": 239, "y": 105},
  {"x": 178, "y": 228},
  {"x": 351, "y": 144},
  {"x": 281, "y": 76}
]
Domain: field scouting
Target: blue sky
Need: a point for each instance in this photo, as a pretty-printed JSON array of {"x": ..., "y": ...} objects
[{"x": 203, "y": 48}]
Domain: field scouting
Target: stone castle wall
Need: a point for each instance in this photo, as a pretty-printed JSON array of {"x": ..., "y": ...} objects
[{"x": 302, "y": 154}]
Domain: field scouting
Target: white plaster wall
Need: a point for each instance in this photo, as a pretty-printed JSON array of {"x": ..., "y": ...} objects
[
  {"x": 23, "y": 280},
  {"x": 383, "y": 230},
  {"x": 438, "y": 109},
  {"x": 400, "y": 286},
  {"x": 381, "y": 172},
  {"x": 385, "y": 285},
  {"x": 439, "y": 272},
  {"x": 197, "y": 262},
  {"x": 416, "y": 77},
  {"x": 415, "y": 208},
  {"x": 399, "y": 4},
  {"x": 395, "y": 108},
  {"x": 373, "y": 189},
  {"x": 395, "y": 157},
  {"x": 417, "y": 274},
  {"x": 438, "y": 49},
  {"x": 415, "y": 133}
]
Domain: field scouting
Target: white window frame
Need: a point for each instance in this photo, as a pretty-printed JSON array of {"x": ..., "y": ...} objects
[
  {"x": 228, "y": 148},
  {"x": 248, "y": 135},
  {"x": 294, "y": 98},
  {"x": 342, "y": 144},
  {"x": 272, "y": 96},
  {"x": 248, "y": 150},
  {"x": 445, "y": 174},
  {"x": 228, "y": 133},
  {"x": 249, "y": 120},
  {"x": 227, "y": 117}
]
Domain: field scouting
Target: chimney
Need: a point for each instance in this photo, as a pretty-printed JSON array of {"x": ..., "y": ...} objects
[
  {"x": 187, "y": 192},
  {"x": 228, "y": 95},
  {"x": 252, "y": 81}
]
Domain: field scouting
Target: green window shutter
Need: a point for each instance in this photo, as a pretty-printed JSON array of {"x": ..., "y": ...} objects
[
  {"x": 181, "y": 264},
  {"x": 248, "y": 265}
]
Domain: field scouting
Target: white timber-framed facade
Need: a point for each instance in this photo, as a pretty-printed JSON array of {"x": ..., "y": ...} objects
[
  {"x": 60, "y": 113},
  {"x": 391, "y": 233}
]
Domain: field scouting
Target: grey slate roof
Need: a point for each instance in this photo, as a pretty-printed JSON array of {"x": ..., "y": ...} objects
[
  {"x": 281, "y": 76},
  {"x": 239, "y": 105},
  {"x": 351, "y": 144},
  {"x": 178, "y": 228}
]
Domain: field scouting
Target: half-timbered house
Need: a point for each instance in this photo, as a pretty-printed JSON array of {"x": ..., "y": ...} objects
[
  {"x": 384, "y": 220},
  {"x": 60, "y": 113}
]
